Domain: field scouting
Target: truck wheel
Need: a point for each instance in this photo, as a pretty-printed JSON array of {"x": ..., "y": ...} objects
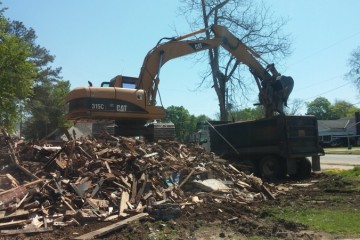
[
  {"x": 303, "y": 168},
  {"x": 271, "y": 168}
]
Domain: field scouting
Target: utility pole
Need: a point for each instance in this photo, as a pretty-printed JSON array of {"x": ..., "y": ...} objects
[{"x": 21, "y": 118}]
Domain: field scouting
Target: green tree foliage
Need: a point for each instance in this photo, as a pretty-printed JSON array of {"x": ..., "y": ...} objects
[
  {"x": 320, "y": 108},
  {"x": 354, "y": 64},
  {"x": 181, "y": 119},
  {"x": 17, "y": 74},
  {"x": 185, "y": 123},
  {"x": 46, "y": 109},
  {"x": 324, "y": 110},
  {"x": 247, "y": 114},
  {"x": 42, "y": 110},
  {"x": 343, "y": 109},
  {"x": 40, "y": 56}
]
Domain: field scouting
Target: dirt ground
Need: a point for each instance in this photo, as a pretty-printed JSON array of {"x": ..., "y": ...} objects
[{"x": 228, "y": 221}]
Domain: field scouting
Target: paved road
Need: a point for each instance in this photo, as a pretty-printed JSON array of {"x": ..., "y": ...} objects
[{"x": 339, "y": 161}]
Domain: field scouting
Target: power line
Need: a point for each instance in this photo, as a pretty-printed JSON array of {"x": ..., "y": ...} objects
[
  {"x": 326, "y": 80},
  {"x": 325, "y": 48},
  {"x": 353, "y": 104},
  {"x": 331, "y": 90},
  {"x": 318, "y": 52}
]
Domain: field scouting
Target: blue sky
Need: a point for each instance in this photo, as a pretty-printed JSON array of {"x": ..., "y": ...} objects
[{"x": 97, "y": 40}]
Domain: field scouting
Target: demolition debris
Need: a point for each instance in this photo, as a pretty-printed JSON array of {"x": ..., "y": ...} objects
[{"x": 115, "y": 180}]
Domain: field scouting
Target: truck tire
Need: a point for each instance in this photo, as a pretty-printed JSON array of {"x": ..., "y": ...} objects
[
  {"x": 271, "y": 168},
  {"x": 303, "y": 169}
]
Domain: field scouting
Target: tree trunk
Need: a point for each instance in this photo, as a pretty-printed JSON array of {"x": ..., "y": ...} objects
[{"x": 222, "y": 98}]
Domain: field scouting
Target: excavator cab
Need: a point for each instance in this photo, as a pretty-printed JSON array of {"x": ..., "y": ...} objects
[{"x": 121, "y": 82}]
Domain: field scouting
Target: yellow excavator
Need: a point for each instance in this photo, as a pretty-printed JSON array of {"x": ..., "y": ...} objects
[{"x": 131, "y": 101}]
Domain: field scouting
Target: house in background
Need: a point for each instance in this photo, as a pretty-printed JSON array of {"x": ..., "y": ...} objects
[{"x": 340, "y": 132}]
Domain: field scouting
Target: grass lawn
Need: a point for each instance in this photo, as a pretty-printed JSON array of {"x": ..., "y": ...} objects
[
  {"x": 339, "y": 221},
  {"x": 333, "y": 206}
]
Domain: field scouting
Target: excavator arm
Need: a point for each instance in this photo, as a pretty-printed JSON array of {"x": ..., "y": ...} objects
[
  {"x": 241, "y": 52},
  {"x": 158, "y": 56},
  {"x": 273, "y": 98}
]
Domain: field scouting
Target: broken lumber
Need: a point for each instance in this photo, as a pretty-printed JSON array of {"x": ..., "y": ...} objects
[
  {"x": 187, "y": 178},
  {"x": 14, "y": 223},
  {"x": 15, "y": 160},
  {"x": 25, "y": 185},
  {"x": 26, "y": 231},
  {"x": 123, "y": 205}
]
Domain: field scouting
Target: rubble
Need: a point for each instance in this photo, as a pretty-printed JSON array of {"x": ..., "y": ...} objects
[{"x": 114, "y": 179}]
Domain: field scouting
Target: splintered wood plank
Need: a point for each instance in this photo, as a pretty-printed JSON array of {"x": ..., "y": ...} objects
[
  {"x": 142, "y": 189},
  {"x": 234, "y": 168},
  {"x": 9, "y": 195},
  {"x": 17, "y": 213},
  {"x": 13, "y": 224},
  {"x": 103, "y": 151},
  {"x": 268, "y": 192},
  {"x": 124, "y": 181},
  {"x": 102, "y": 231},
  {"x": 123, "y": 205},
  {"x": 25, "y": 231},
  {"x": 133, "y": 189},
  {"x": 187, "y": 178},
  {"x": 14, "y": 181}
]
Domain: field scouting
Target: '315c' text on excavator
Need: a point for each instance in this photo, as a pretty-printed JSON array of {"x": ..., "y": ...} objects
[{"x": 131, "y": 102}]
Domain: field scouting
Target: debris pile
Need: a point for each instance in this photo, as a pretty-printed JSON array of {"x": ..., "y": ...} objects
[{"x": 116, "y": 179}]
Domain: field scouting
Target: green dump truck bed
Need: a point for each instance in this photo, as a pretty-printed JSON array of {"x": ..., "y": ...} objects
[{"x": 283, "y": 143}]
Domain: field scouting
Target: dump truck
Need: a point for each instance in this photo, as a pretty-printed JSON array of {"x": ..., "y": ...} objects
[{"x": 275, "y": 147}]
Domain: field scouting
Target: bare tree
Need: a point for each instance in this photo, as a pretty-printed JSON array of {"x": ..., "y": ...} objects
[
  {"x": 255, "y": 26},
  {"x": 354, "y": 64},
  {"x": 295, "y": 106}
]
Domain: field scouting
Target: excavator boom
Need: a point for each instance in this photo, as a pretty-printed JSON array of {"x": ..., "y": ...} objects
[
  {"x": 177, "y": 47},
  {"x": 158, "y": 56}
]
